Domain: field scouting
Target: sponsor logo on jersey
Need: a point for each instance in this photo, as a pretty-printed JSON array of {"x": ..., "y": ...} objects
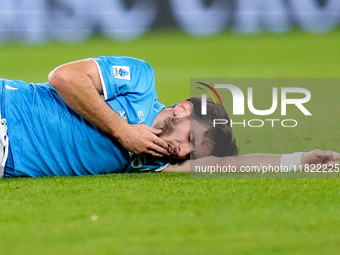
[
  {"x": 123, "y": 115},
  {"x": 121, "y": 72},
  {"x": 141, "y": 117}
]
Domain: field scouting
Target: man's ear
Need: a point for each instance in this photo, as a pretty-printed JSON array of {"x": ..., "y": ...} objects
[{"x": 183, "y": 109}]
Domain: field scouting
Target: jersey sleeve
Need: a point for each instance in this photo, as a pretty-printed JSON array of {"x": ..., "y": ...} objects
[{"x": 121, "y": 75}]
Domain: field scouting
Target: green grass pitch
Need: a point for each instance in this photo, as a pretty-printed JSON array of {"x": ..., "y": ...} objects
[{"x": 174, "y": 213}]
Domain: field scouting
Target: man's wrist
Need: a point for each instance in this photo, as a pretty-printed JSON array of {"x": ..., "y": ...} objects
[
  {"x": 293, "y": 162},
  {"x": 119, "y": 129}
]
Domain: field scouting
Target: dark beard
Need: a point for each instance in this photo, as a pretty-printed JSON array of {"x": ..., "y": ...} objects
[{"x": 168, "y": 125}]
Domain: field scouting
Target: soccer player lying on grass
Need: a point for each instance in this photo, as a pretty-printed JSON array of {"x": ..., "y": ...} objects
[{"x": 101, "y": 115}]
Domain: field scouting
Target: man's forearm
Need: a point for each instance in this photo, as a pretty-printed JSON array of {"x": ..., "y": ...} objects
[
  {"x": 79, "y": 92},
  {"x": 255, "y": 161},
  {"x": 263, "y": 162},
  {"x": 236, "y": 161}
]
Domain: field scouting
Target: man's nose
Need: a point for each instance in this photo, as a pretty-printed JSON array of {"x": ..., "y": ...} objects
[{"x": 183, "y": 150}]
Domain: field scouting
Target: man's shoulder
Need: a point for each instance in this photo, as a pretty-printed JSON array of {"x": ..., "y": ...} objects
[{"x": 122, "y": 59}]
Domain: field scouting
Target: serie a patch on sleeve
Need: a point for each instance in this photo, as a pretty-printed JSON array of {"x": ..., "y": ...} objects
[{"x": 121, "y": 72}]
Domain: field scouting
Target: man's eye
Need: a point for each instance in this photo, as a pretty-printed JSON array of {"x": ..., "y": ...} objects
[
  {"x": 192, "y": 155},
  {"x": 192, "y": 140}
]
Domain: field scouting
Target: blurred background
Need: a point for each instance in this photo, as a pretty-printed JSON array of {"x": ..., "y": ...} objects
[{"x": 75, "y": 20}]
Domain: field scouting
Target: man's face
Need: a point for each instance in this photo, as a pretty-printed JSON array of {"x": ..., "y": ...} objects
[{"x": 182, "y": 142}]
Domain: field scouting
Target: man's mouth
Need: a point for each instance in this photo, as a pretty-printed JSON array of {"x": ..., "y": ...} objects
[{"x": 169, "y": 148}]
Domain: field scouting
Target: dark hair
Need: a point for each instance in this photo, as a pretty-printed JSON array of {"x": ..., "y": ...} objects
[{"x": 221, "y": 136}]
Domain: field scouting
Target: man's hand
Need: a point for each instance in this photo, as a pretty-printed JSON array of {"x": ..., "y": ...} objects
[
  {"x": 143, "y": 139},
  {"x": 318, "y": 157}
]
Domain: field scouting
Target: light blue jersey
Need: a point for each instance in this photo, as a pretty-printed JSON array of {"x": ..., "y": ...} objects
[{"x": 48, "y": 138}]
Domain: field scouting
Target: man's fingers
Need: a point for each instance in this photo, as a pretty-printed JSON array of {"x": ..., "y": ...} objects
[
  {"x": 144, "y": 139},
  {"x": 161, "y": 143},
  {"x": 155, "y": 154},
  {"x": 322, "y": 154},
  {"x": 331, "y": 155},
  {"x": 325, "y": 156},
  {"x": 160, "y": 150},
  {"x": 336, "y": 156},
  {"x": 158, "y": 145},
  {"x": 156, "y": 140},
  {"x": 155, "y": 131},
  {"x": 333, "y": 165}
]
